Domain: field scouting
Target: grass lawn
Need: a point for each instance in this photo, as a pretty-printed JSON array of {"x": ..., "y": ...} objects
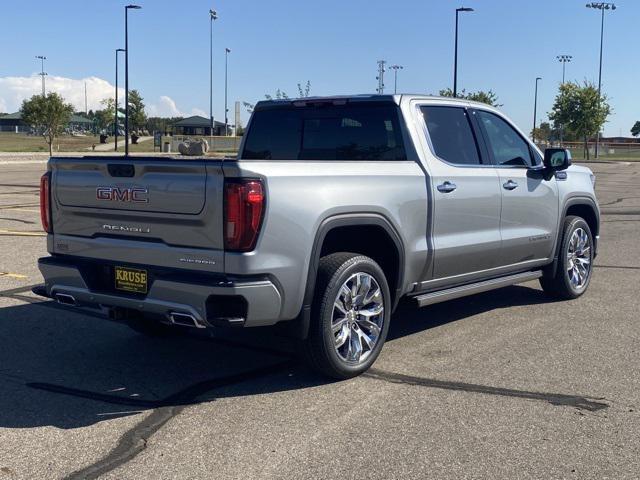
[{"x": 19, "y": 142}]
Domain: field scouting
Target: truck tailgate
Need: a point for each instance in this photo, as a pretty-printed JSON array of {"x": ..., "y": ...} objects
[{"x": 160, "y": 211}]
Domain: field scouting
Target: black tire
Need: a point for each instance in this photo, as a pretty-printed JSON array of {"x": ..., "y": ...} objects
[
  {"x": 150, "y": 327},
  {"x": 334, "y": 270},
  {"x": 559, "y": 285}
]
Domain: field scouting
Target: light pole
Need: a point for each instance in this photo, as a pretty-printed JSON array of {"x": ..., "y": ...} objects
[
  {"x": 126, "y": 76},
  {"x": 455, "y": 55},
  {"x": 115, "y": 133},
  {"x": 602, "y": 6},
  {"x": 227, "y": 51},
  {"x": 395, "y": 69},
  {"x": 564, "y": 59},
  {"x": 380, "y": 77},
  {"x": 535, "y": 111},
  {"x": 213, "y": 15},
  {"x": 42, "y": 72}
]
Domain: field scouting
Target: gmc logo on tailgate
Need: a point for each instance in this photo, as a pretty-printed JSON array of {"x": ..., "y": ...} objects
[{"x": 123, "y": 194}]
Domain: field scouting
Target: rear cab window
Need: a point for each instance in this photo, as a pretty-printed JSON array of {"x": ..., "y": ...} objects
[
  {"x": 326, "y": 131},
  {"x": 452, "y": 137}
]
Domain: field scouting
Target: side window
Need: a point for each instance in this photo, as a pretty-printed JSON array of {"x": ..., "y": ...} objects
[
  {"x": 451, "y": 135},
  {"x": 507, "y": 146}
]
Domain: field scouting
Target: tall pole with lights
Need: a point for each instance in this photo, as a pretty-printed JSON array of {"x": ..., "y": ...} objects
[
  {"x": 116, "y": 125},
  {"x": 602, "y": 6},
  {"x": 380, "y": 77},
  {"x": 42, "y": 72},
  {"x": 455, "y": 53},
  {"x": 227, "y": 51},
  {"x": 564, "y": 59},
  {"x": 395, "y": 69},
  {"x": 535, "y": 110},
  {"x": 213, "y": 15},
  {"x": 126, "y": 75}
]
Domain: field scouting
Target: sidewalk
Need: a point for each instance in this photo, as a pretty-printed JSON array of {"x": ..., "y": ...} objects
[{"x": 108, "y": 147}]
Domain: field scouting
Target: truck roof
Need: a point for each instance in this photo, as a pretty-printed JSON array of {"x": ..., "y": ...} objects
[{"x": 395, "y": 98}]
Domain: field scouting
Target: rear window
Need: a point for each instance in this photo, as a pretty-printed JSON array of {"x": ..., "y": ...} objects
[{"x": 326, "y": 132}]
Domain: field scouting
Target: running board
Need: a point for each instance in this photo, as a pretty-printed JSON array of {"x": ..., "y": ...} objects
[{"x": 473, "y": 288}]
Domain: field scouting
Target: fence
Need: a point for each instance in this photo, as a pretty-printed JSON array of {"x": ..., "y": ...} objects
[
  {"x": 216, "y": 144},
  {"x": 606, "y": 150}
]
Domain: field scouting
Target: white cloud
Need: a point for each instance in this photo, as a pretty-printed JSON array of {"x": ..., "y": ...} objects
[
  {"x": 13, "y": 90},
  {"x": 166, "y": 107}
]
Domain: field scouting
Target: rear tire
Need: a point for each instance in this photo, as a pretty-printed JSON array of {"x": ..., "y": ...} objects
[
  {"x": 349, "y": 316},
  {"x": 575, "y": 261}
]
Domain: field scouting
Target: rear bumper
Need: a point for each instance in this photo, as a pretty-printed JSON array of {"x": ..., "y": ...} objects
[{"x": 213, "y": 301}]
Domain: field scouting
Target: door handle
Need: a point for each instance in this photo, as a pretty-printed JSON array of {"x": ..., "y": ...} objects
[
  {"x": 510, "y": 185},
  {"x": 447, "y": 187}
]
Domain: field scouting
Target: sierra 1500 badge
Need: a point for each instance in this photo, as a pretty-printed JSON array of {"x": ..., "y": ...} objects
[{"x": 123, "y": 194}]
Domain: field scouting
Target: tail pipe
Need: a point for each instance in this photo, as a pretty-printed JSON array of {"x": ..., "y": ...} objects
[
  {"x": 66, "y": 299},
  {"x": 185, "y": 319}
]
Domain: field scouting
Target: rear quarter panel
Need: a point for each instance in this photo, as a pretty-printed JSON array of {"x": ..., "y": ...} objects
[{"x": 303, "y": 194}]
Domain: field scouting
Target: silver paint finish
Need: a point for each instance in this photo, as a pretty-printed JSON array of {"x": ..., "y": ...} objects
[{"x": 449, "y": 237}]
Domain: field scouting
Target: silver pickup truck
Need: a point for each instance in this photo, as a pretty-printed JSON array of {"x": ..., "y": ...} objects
[{"x": 334, "y": 209}]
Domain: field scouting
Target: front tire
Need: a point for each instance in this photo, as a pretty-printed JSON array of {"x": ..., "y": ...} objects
[
  {"x": 575, "y": 261},
  {"x": 349, "y": 317}
]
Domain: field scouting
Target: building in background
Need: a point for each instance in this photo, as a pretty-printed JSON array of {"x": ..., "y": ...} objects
[{"x": 197, "y": 125}]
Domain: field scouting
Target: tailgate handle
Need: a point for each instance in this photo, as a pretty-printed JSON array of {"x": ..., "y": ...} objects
[{"x": 119, "y": 170}]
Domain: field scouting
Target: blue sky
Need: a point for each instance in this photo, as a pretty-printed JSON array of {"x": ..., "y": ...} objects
[{"x": 275, "y": 44}]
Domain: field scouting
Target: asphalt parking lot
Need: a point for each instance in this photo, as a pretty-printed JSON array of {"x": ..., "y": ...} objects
[{"x": 506, "y": 384}]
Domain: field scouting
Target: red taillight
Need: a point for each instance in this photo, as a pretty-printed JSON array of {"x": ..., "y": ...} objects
[
  {"x": 243, "y": 208},
  {"x": 45, "y": 203}
]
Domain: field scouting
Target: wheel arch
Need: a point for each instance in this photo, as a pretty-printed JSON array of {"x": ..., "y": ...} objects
[
  {"x": 586, "y": 208},
  {"x": 347, "y": 224}
]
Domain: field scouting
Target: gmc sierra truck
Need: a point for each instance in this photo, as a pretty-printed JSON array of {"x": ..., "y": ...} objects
[{"x": 334, "y": 209}]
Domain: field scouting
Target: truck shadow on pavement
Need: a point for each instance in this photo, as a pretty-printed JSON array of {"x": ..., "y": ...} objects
[{"x": 67, "y": 369}]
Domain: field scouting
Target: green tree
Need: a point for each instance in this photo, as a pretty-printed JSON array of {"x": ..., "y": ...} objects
[
  {"x": 137, "y": 115},
  {"x": 635, "y": 130},
  {"x": 489, "y": 97},
  {"x": 282, "y": 95},
  {"x": 581, "y": 110},
  {"x": 106, "y": 116},
  {"x": 48, "y": 114},
  {"x": 543, "y": 132}
]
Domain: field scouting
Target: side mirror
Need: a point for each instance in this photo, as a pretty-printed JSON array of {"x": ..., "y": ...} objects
[{"x": 557, "y": 159}]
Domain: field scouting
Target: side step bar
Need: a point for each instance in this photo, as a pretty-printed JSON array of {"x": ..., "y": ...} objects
[{"x": 473, "y": 288}]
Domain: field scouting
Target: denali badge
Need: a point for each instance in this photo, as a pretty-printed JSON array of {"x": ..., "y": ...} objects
[
  {"x": 125, "y": 228},
  {"x": 123, "y": 194},
  {"x": 198, "y": 261}
]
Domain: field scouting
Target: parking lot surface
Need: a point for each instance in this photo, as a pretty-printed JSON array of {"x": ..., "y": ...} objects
[{"x": 506, "y": 384}]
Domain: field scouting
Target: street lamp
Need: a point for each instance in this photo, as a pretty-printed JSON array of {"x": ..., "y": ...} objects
[
  {"x": 564, "y": 59},
  {"x": 126, "y": 76},
  {"x": 42, "y": 73},
  {"x": 115, "y": 133},
  {"x": 213, "y": 15},
  {"x": 455, "y": 59},
  {"x": 227, "y": 51},
  {"x": 535, "y": 110},
  {"x": 602, "y": 6},
  {"x": 380, "y": 77},
  {"x": 395, "y": 69}
]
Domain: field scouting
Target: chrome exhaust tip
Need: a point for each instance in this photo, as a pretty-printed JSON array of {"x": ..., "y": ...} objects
[
  {"x": 66, "y": 299},
  {"x": 185, "y": 319}
]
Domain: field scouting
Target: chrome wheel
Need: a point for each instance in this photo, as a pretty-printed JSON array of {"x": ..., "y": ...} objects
[
  {"x": 579, "y": 258},
  {"x": 357, "y": 318}
]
